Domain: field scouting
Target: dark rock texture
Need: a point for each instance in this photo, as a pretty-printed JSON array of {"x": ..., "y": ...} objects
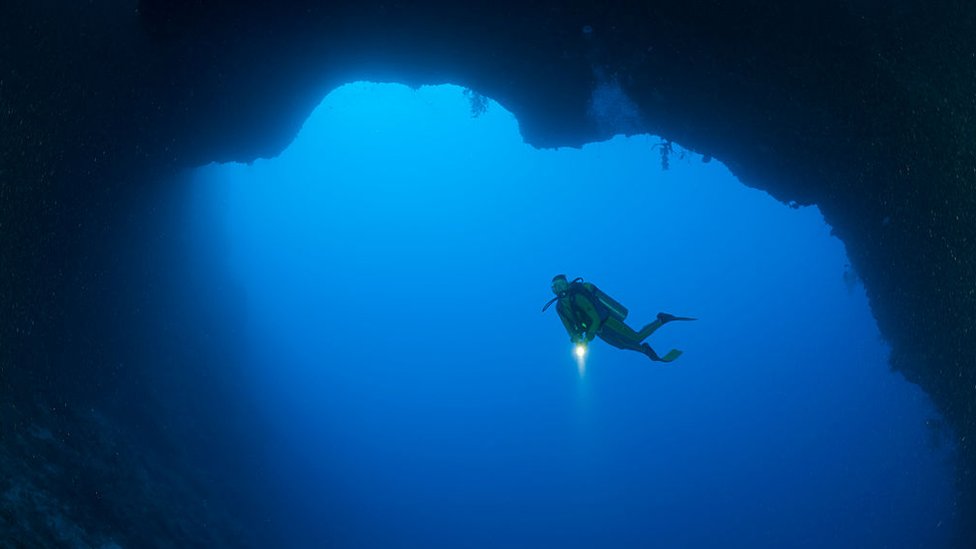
[
  {"x": 88, "y": 483},
  {"x": 865, "y": 108}
]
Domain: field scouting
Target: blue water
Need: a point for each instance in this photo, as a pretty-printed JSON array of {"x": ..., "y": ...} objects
[{"x": 394, "y": 261}]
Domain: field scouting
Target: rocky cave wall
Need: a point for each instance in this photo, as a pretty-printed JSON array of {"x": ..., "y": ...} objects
[{"x": 865, "y": 108}]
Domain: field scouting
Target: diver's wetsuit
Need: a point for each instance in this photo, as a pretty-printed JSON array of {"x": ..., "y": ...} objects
[{"x": 580, "y": 315}]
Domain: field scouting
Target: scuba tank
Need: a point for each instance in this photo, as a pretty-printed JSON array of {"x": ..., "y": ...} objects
[{"x": 613, "y": 307}]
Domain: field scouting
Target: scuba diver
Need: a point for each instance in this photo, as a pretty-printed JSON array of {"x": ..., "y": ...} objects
[{"x": 587, "y": 312}]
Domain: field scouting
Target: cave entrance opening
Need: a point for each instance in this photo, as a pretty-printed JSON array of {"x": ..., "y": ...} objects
[{"x": 393, "y": 261}]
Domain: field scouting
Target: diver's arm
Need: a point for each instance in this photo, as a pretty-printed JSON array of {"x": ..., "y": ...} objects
[
  {"x": 595, "y": 321},
  {"x": 570, "y": 328}
]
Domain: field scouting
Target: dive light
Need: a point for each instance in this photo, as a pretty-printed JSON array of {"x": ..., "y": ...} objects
[{"x": 580, "y": 350}]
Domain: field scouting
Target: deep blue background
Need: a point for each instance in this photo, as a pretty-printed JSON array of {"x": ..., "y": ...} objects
[{"x": 394, "y": 260}]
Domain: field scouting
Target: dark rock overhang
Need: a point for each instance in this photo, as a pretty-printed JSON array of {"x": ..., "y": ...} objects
[{"x": 863, "y": 108}]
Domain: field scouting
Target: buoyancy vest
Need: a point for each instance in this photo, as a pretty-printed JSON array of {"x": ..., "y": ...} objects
[{"x": 605, "y": 305}]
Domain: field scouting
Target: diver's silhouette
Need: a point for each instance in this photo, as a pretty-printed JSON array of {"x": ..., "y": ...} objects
[{"x": 587, "y": 312}]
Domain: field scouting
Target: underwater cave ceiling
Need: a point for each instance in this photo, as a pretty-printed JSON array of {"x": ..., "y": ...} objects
[{"x": 864, "y": 108}]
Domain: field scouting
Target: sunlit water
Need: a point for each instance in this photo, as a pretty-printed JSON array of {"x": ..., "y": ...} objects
[{"x": 395, "y": 259}]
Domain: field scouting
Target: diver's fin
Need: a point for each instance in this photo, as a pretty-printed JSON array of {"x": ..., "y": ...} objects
[
  {"x": 667, "y": 317},
  {"x": 672, "y": 354}
]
